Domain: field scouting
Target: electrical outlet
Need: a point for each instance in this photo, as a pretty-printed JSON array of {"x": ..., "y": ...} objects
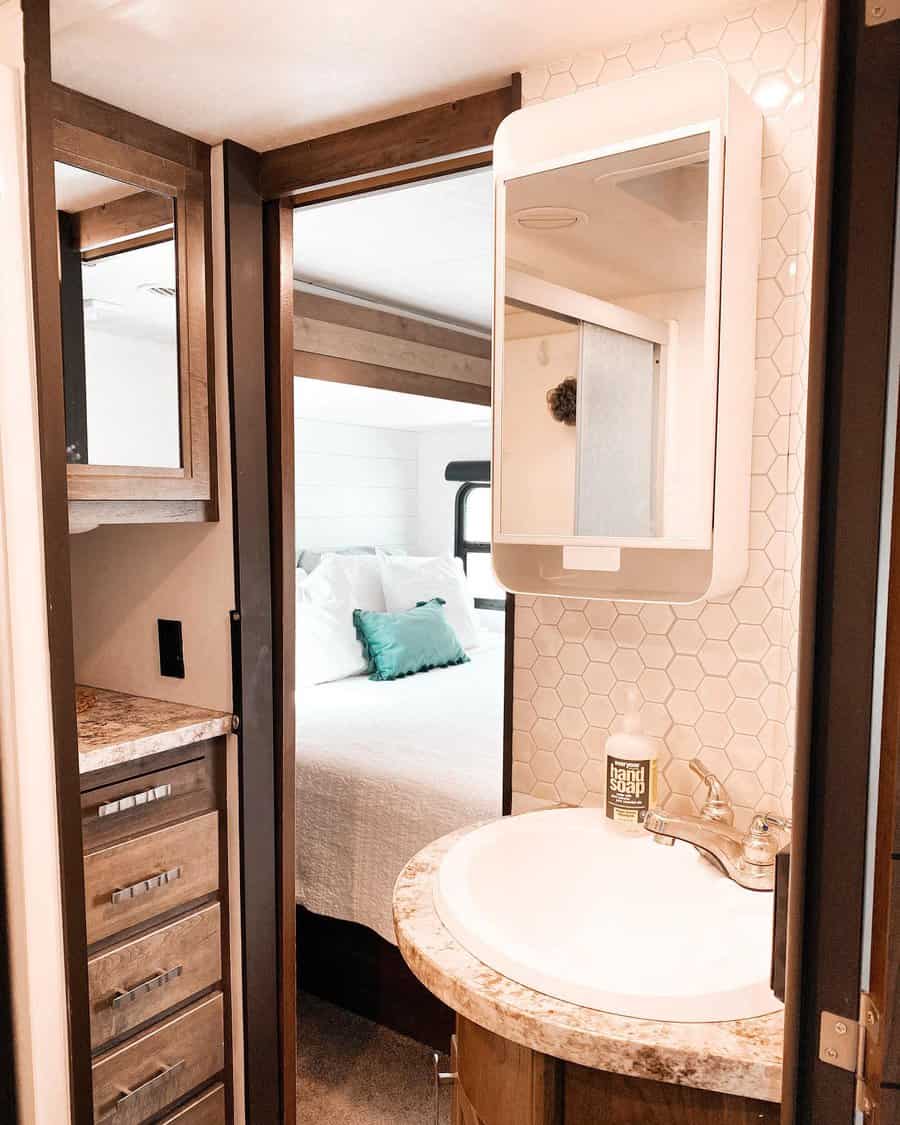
[{"x": 171, "y": 649}]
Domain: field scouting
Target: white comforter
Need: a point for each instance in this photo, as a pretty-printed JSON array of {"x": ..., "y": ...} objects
[{"x": 385, "y": 768}]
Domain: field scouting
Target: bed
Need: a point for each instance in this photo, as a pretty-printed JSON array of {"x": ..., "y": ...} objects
[{"x": 383, "y": 769}]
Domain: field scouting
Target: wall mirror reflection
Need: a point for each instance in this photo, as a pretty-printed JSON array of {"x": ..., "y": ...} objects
[
  {"x": 119, "y": 304},
  {"x": 607, "y": 429}
]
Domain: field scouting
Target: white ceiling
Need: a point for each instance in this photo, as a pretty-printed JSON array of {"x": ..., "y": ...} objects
[
  {"x": 424, "y": 248},
  {"x": 269, "y": 72},
  {"x": 368, "y": 406},
  {"x": 76, "y": 188}
]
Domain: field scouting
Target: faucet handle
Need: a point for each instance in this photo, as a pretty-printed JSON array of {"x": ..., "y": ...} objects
[
  {"x": 763, "y": 823},
  {"x": 760, "y": 845},
  {"x": 717, "y": 807}
]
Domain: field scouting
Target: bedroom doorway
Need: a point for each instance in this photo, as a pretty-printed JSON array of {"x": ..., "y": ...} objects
[{"x": 392, "y": 440}]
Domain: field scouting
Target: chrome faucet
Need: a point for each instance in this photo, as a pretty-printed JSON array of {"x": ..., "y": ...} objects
[{"x": 746, "y": 857}]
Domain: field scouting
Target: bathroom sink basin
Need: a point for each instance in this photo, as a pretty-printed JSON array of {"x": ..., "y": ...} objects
[{"x": 563, "y": 903}]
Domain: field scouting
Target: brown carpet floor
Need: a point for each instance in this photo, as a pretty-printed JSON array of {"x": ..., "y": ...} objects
[{"x": 354, "y": 1072}]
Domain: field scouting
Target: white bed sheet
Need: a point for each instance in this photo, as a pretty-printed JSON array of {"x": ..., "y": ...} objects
[{"x": 384, "y": 768}]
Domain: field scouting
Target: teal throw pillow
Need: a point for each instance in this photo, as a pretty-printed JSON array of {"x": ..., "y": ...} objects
[{"x": 401, "y": 644}]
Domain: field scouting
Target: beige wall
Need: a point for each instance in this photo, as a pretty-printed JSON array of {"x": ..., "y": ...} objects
[
  {"x": 717, "y": 678},
  {"x": 27, "y": 777}
]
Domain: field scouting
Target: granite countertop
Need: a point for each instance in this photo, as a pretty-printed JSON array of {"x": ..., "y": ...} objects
[
  {"x": 114, "y": 727},
  {"x": 741, "y": 1057}
]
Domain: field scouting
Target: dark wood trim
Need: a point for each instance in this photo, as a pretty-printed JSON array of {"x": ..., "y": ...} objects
[
  {"x": 8, "y": 1094},
  {"x": 278, "y": 251},
  {"x": 417, "y": 174},
  {"x": 123, "y": 219},
  {"x": 333, "y": 310},
  {"x": 259, "y": 859},
  {"x": 127, "y": 244},
  {"x": 75, "y": 108},
  {"x": 311, "y": 365},
  {"x": 71, "y": 300},
  {"x": 350, "y": 965},
  {"x": 832, "y": 869},
  {"x": 52, "y": 445},
  {"x": 508, "y": 682},
  {"x": 385, "y": 146}
]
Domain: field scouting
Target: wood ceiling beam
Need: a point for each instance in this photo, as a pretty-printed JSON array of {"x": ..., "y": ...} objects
[{"x": 385, "y": 146}]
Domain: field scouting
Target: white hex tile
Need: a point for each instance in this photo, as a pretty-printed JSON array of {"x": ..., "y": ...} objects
[
  {"x": 627, "y": 665},
  {"x": 545, "y": 766},
  {"x": 523, "y": 778},
  {"x": 524, "y": 684},
  {"x": 524, "y": 714},
  {"x": 571, "y": 722},
  {"x": 747, "y": 679},
  {"x": 598, "y": 710},
  {"x": 774, "y": 214},
  {"x": 773, "y": 51},
  {"x": 627, "y": 632},
  {"x": 586, "y": 67},
  {"x": 655, "y": 685},
  {"x": 685, "y": 672},
  {"x": 687, "y": 637},
  {"x": 795, "y": 194},
  {"x": 547, "y": 640},
  {"x": 573, "y": 626},
  {"x": 718, "y": 621},
  {"x": 656, "y": 651},
  {"x": 682, "y": 779},
  {"x": 560, "y": 85},
  {"x": 750, "y": 605},
  {"x": 599, "y": 678},
  {"x": 655, "y": 719},
  {"x": 625, "y": 695},
  {"x": 768, "y": 298},
  {"x": 573, "y": 659},
  {"x": 775, "y": 702},
  {"x": 646, "y": 53},
  {"x": 599, "y": 644},
  {"x": 683, "y": 741},
  {"x": 717, "y": 657},
  {"x": 684, "y": 707},
  {"x": 571, "y": 787},
  {"x": 572, "y": 690},
  {"x": 714, "y": 729},
  {"x": 615, "y": 69},
  {"x": 571, "y": 754},
  {"x": 548, "y": 611},
  {"x": 600, "y": 615},
  {"x": 771, "y": 257},
  {"x": 526, "y": 622},
  {"x": 744, "y": 788},
  {"x": 656, "y": 617},
  {"x": 704, "y": 36},
  {"x": 534, "y": 82},
  {"x": 739, "y": 40},
  {"x": 678, "y": 51},
  {"x": 775, "y": 175},
  {"x": 774, "y": 15},
  {"x": 546, "y": 736},
  {"x": 715, "y": 693},
  {"x": 746, "y": 716},
  {"x": 546, "y": 703},
  {"x": 547, "y": 671}
]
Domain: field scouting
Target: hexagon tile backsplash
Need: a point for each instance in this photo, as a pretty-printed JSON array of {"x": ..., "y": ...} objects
[{"x": 716, "y": 679}]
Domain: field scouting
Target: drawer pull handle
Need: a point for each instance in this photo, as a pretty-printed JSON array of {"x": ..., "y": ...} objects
[
  {"x": 135, "y": 800},
  {"x": 125, "y": 894},
  {"x": 153, "y": 1083},
  {"x": 440, "y": 1078},
  {"x": 123, "y": 997}
]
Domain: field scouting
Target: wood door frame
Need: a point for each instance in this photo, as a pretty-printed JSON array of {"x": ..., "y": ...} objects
[{"x": 852, "y": 289}]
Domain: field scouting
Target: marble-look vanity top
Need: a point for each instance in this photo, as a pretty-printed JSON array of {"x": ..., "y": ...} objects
[
  {"x": 114, "y": 727},
  {"x": 742, "y": 1057}
]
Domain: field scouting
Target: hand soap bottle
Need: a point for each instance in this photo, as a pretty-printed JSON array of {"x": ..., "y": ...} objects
[{"x": 630, "y": 772}]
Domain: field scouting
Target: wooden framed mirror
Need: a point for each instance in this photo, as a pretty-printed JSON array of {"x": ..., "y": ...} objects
[{"x": 134, "y": 272}]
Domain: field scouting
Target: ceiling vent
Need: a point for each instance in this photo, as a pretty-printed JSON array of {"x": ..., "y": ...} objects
[{"x": 158, "y": 290}]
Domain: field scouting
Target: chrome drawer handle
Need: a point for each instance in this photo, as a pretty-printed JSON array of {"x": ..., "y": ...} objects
[
  {"x": 126, "y": 1099},
  {"x": 125, "y": 894},
  {"x": 124, "y": 997},
  {"x": 441, "y": 1078},
  {"x": 135, "y": 800}
]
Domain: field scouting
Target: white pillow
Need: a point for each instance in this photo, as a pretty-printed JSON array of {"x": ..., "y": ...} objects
[
  {"x": 408, "y": 579},
  {"x": 327, "y": 645}
]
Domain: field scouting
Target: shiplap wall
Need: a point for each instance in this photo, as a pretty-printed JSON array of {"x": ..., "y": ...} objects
[{"x": 355, "y": 486}]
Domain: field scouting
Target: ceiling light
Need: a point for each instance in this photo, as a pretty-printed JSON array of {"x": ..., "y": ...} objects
[{"x": 549, "y": 218}]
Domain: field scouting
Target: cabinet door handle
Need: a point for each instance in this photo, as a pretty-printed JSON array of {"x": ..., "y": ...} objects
[
  {"x": 127, "y": 1099},
  {"x": 125, "y": 894},
  {"x": 135, "y": 800},
  {"x": 124, "y": 997}
]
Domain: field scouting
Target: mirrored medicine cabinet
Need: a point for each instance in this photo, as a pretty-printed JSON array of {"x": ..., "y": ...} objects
[
  {"x": 627, "y": 243},
  {"x": 134, "y": 312}
]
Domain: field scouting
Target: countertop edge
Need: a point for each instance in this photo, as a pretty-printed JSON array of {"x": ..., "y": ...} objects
[
  {"x": 144, "y": 746},
  {"x": 741, "y": 1057}
]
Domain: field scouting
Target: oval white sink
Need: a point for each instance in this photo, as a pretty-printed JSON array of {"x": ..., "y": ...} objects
[{"x": 562, "y": 903}]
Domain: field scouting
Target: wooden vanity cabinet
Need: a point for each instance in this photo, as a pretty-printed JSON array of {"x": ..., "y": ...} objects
[
  {"x": 156, "y": 911},
  {"x": 501, "y": 1083}
]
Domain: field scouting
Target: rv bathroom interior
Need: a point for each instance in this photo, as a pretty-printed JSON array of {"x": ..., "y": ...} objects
[{"x": 449, "y": 581}]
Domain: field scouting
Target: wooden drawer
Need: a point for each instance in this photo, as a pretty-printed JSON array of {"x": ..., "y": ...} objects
[
  {"x": 135, "y": 1083},
  {"x": 136, "y": 981},
  {"x": 126, "y": 808},
  {"x": 130, "y": 882},
  {"x": 208, "y": 1109}
]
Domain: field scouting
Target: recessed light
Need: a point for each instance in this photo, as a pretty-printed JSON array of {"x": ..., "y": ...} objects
[{"x": 549, "y": 218}]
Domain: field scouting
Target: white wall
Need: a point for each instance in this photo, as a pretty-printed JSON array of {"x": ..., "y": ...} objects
[
  {"x": 435, "y": 448},
  {"x": 355, "y": 486},
  {"x": 132, "y": 399}
]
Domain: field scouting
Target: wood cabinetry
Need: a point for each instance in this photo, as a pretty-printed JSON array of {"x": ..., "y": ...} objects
[
  {"x": 155, "y": 912},
  {"x": 502, "y": 1083}
]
